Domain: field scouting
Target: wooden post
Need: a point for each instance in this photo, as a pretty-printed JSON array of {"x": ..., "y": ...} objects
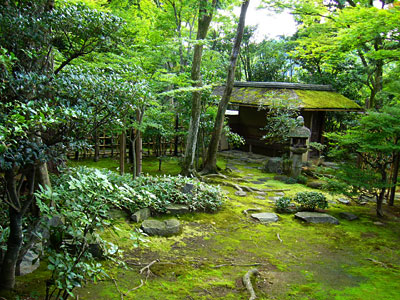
[{"x": 122, "y": 153}]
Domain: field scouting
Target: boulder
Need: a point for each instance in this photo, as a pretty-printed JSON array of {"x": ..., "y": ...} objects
[
  {"x": 176, "y": 209},
  {"x": 274, "y": 165},
  {"x": 29, "y": 263},
  {"x": 188, "y": 188},
  {"x": 161, "y": 228},
  {"x": 314, "y": 217},
  {"x": 316, "y": 184},
  {"x": 265, "y": 217},
  {"x": 241, "y": 193},
  {"x": 141, "y": 215},
  {"x": 348, "y": 216}
]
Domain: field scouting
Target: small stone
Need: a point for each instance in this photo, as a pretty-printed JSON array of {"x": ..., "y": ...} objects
[
  {"x": 348, "y": 216},
  {"x": 176, "y": 209},
  {"x": 264, "y": 179},
  {"x": 274, "y": 198},
  {"x": 260, "y": 197},
  {"x": 161, "y": 228},
  {"x": 241, "y": 193},
  {"x": 379, "y": 223},
  {"x": 314, "y": 217},
  {"x": 265, "y": 217},
  {"x": 188, "y": 188},
  {"x": 344, "y": 201},
  {"x": 257, "y": 182},
  {"x": 141, "y": 215},
  {"x": 280, "y": 194},
  {"x": 261, "y": 193}
]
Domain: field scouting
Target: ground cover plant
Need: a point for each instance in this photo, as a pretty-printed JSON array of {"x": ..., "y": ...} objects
[{"x": 353, "y": 260}]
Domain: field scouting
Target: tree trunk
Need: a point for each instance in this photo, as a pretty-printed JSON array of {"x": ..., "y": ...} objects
[
  {"x": 176, "y": 142},
  {"x": 394, "y": 179},
  {"x": 205, "y": 16},
  {"x": 138, "y": 146},
  {"x": 14, "y": 243},
  {"x": 96, "y": 146},
  {"x": 210, "y": 166},
  {"x": 122, "y": 153}
]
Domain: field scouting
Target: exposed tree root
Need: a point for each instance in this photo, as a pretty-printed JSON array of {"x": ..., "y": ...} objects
[
  {"x": 247, "y": 282},
  {"x": 148, "y": 268},
  {"x": 236, "y": 265},
  {"x": 279, "y": 238}
]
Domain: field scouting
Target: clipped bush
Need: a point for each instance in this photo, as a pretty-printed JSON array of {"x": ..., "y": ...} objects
[
  {"x": 284, "y": 204},
  {"x": 311, "y": 200}
]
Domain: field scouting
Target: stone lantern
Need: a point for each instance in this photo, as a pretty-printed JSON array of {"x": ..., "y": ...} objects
[{"x": 298, "y": 145}]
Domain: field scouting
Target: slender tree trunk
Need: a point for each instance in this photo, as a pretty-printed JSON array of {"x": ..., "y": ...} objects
[
  {"x": 210, "y": 165},
  {"x": 205, "y": 16},
  {"x": 176, "y": 142},
  {"x": 96, "y": 146},
  {"x": 394, "y": 178},
  {"x": 381, "y": 195},
  {"x": 139, "y": 146},
  {"x": 14, "y": 243},
  {"x": 122, "y": 153}
]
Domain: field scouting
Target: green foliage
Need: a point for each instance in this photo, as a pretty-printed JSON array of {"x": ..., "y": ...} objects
[
  {"x": 80, "y": 202},
  {"x": 283, "y": 204},
  {"x": 311, "y": 200}
]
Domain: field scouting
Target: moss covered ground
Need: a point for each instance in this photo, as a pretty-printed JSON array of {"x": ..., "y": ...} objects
[{"x": 354, "y": 260}]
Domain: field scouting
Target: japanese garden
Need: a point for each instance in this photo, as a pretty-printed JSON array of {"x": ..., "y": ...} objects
[{"x": 174, "y": 150}]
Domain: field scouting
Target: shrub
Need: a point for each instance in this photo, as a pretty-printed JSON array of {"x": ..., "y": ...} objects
[
  {"x": 311, "y": 200},
  {"x": 283, "y": 204}
]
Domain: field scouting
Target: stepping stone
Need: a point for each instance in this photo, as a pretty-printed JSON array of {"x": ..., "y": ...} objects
[
  {"x": 265, "y": 217},
  {"x": 248, "y": 167},
  {"x": 348, "y": 216},
  {"x": 176, "y": 209},
  {"x": 248, "y": 177},
  {"x": 260, "y": 197},
  {"x": 264, "y": 179},
  {"x": 162, "y": 228},
  {"x": 141, "y": 215},
  {"x": 274, "y": 198},
  {"x": 241, "y": 193},
  {"x": 280, "y": 194},
  {"x": 257, "y": 182},
  {"x": 344, "y": 201},
  {"x": 314, "y": 217},
  {"x": 262, "y": 193}
]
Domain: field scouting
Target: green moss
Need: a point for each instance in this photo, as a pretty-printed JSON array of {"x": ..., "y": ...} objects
[{"x": 304, "y": 98}]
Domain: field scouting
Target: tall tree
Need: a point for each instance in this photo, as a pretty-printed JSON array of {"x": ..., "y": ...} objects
[
  {"x": 210, "y": 165},
  {"x": 206, "y": 10}
]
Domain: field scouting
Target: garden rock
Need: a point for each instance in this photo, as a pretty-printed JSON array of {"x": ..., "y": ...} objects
[
  {"x": 117, "y": 214},
  {"x": 344, "y": 201},
  {"x": 280, "y": 194},
  {"x": 260, "y": 197},
  {"x": 161, "y": 228},
  {"x": 188, "y": 188},
  {"x": 265, "y": 217},
  {"x": 314, "y": 217},
  {"x": 141, "y": 215},
  {"x": 261, "y": 193},
  {"x": 348, "y": 216},
  {"x": 274, "y": 198},
  {"x": 274, "y": 165},
  {"x": 316, "y": 184},
  {"x": 29, "y": 263},
  {"x": 176, "y": 209},
  {"x": 241, "y": 193}
]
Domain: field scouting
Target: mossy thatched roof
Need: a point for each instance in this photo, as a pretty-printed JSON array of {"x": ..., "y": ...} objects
[{"x": 314, "y": 98}]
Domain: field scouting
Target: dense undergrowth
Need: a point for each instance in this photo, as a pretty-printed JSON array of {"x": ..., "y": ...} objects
[{"x": 354, "y": 260}]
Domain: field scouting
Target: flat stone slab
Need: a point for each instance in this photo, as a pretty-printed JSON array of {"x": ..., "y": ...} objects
[
  {"x": 314, "y": 217},
  {"x": 274, "y": 198},
  {"x": 257, "y": 182},
  {"x": 260, "y": 197},
  {"x": 348, "y": 216},
  {"x": 162, "y": 228},
  {"x": 344, "y": 201},
  {"x": 176, "y": 209},
  {"x": 280, "y": 194},
  {"x": 240, "y": 193},
  {"x": 265, "y": 217},
  {"x": 261, "y": 193}
]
